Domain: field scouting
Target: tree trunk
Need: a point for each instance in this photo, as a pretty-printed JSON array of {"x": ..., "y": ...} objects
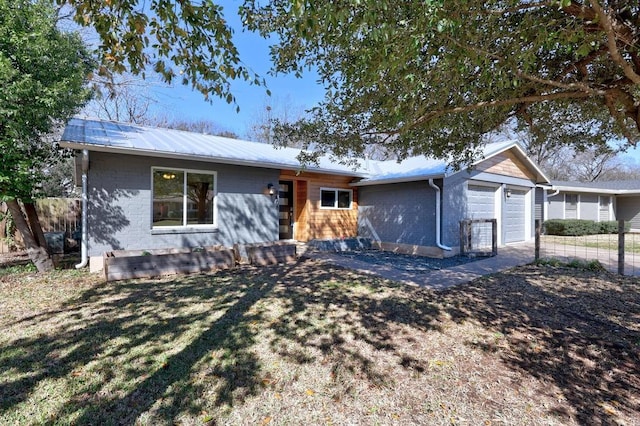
[
  {"x": 37, "y": 254},
  {"x": 34, "y": 224}
]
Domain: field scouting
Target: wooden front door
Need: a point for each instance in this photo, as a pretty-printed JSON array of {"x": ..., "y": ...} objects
[{"x": 285, "y": 203}]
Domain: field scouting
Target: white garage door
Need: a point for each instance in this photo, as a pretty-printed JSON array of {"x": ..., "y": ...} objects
[
  {"x": 514, "y": 216},
  {"x": 480, "y": 202},
  {"x": 481, "y": 205}
]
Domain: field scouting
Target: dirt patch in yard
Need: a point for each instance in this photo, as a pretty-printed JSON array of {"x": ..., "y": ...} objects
[{"x": 310, "y": 343}]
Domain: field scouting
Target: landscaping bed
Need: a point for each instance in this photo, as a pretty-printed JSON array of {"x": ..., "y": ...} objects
[{"x": 406, "y": 262}]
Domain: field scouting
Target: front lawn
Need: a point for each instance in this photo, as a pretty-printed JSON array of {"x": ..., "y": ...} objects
[
  {"x": 598, "y": 241},
  {"x": 313, "y": 344}
]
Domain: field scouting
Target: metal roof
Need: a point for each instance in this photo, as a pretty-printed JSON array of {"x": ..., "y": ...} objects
[
  {"x": 421, "y": 168},
  {"x": 603, "y": 187},
  {"x": 126, "y": 138}
]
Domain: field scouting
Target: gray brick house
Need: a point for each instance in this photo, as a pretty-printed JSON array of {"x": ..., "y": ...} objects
[{"x": 150, "y": 188}]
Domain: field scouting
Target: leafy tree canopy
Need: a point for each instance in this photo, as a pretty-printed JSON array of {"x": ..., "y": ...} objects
[
  {"x": 43, "y": 73},
  {"x": 187, "y": 40},
  {"x": 432, "y": 77}
]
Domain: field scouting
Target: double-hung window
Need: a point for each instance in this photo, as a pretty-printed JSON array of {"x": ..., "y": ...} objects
[
  {"x": 334, "y": 198},
  {"x": 183, "y": 198}
]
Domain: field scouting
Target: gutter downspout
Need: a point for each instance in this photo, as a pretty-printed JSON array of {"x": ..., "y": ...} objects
[
  {"x": 85, "y": 232},
  {"x": 438, "y": 243},
  {"x": 556, "y": 192}
]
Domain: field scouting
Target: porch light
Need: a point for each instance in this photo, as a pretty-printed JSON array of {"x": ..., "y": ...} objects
[
  {"x": 271, "y": 190},
  {"x": 508, "y": 193}
]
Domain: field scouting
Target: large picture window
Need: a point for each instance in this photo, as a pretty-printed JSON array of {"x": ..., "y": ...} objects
[
  {"x": 333, "y": 198},
  {"x": 183, "y": 198}
]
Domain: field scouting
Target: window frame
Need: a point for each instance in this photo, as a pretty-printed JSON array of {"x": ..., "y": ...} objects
[
  {"x": 609, "y": 206},
  {"x": 185, "y": 200},
  {"x": 570, "y": 204},
  {"x": 336, "y": 202}
]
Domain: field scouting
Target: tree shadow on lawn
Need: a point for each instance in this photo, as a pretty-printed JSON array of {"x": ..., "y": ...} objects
[
  {"x": 579, "y": 331},
  {"x": 140, "y": 318},
  {"x": 156, "y": 350},
  {"x": 127, "y": 349}
]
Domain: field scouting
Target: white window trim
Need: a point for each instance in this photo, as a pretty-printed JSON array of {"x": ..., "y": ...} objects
[
  {"x": 335, "y": 206},
  {"x": 185, "y": 200}
]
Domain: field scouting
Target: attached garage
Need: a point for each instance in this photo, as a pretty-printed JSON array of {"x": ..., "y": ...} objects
[
  {"x": 481, "y": 205},
  {"x": 481, "y": 202},
  {"x": 514, "y": 216}
]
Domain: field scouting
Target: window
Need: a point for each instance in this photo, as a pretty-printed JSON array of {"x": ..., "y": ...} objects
[
  {"x": 331, "y": 198},
  {"x": 183, "y": 198},
  {"x": 605, "y": 208},
  {"x": 571, "y": 206}
]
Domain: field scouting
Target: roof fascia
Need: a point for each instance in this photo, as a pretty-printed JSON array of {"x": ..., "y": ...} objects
[
  {"x": 367, "y": 182},
  {"x": 219, "y": 160},
  {"x": 590, "y": 190}
]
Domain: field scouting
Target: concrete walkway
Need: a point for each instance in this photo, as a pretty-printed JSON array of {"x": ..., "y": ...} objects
[{"x": 508, "y": 257}]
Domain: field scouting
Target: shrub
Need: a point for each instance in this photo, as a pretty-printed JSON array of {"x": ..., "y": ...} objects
[
  {"x": 571, "y": 227},
  {"x": 579, "y": 227},
  {"x": 611, "y": 227}
]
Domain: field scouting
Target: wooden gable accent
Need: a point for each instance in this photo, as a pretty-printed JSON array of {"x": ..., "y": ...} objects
[
  {"x": 312, "y": 222},
  {"x": 506, "y": 163}
]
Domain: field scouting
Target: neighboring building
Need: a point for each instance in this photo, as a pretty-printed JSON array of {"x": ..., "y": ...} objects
[
  {"x": 150, "y": 188},
  {"x": 598, "y": 201}
]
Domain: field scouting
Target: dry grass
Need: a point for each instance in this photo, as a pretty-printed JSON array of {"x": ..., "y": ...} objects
[
  {"x": 599, "y": 241},
  {"x": 313, "y": 344}
]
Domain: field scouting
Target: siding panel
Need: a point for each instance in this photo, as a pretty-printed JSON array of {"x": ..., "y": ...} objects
[
  {"x": 401, "y": 213},
  {"x": 628, "y": 208}
]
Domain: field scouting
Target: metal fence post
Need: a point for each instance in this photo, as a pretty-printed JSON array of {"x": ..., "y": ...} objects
[
  {"x": 494, "y": 237},
  {"x": 538, "y": 231},
  {"x": 621, "y": 247}
]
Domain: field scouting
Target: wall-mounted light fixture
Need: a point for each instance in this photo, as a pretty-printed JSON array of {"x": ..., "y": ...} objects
[
  {"x": 508, "y": 193},
  {"x": 271, "y": 189}
]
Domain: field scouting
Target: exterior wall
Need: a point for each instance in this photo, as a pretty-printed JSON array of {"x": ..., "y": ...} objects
[
  {"x": 539, "y": 204},
  {"x": 628, "y": 209},
  {"x": 555, "y": 207},
  {"x": 454, "y": 207},
  {"x": 120, "y": 205},
  {"x": 401, "y": 213},
  {"x": 588, "y": 206},
  {"x": 313, "y": 222}
]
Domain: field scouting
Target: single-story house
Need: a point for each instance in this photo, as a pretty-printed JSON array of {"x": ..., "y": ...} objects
[
  {"x": 151, "y": 188},
  {"x": 598, "y": 201}
]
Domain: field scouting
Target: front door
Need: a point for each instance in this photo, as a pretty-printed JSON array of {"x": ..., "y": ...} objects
[{"x": 285, "y": 203}]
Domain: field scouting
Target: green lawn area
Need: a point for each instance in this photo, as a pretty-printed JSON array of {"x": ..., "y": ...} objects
[
  {"x": 600, "y": 241},
  {"x": 312, "y": 344}
]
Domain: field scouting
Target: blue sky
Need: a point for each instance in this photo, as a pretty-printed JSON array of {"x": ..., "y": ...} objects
[{"x": 182, "y": 102}]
